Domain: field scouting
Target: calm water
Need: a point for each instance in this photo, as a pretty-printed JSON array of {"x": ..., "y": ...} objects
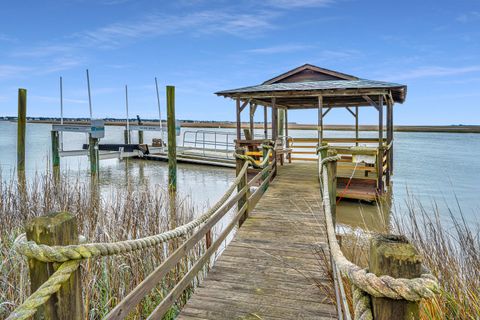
[{"x": 436, "y": 168}]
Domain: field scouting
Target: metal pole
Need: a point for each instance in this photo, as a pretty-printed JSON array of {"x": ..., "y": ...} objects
[
  {"x": 89, "y": 96},
  {"x": 159, "y": 109},
  {"x": 126, "y": 107}
]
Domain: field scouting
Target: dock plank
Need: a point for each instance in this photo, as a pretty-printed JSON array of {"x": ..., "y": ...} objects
[{"x": 272, "y": 268}]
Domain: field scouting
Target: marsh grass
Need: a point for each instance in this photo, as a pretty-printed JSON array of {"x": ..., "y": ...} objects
[
  {"x": 450, "y": 247},
  {"x": 123, "y": 212}
]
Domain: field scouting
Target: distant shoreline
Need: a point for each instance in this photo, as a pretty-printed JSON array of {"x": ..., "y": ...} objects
[{"x": 291, "y": 126}]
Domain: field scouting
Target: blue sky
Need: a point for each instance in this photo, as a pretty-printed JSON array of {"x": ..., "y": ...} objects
[{"x": 205, "y": 46}]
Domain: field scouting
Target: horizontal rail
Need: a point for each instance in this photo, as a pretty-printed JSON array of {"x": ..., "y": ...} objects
[
  {"x": 133, "y": 298},
  {"x": 170, "y": 299}
]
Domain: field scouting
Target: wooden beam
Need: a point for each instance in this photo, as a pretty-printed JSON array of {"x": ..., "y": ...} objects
[
  {"x": 274, "y": 120},
  {"x": 253, "y": 107},
  {"x": 244, "y": 104},
  {"x": 380, "y": 145},
  {"x": 351, "y": 112},
  {"x": 320, "y": 120},
  {"x": 356, "y": 126},
  {"x": 326, "y": 112},
  {"x": 239, "y": 123},
  {"x": 265, "y": 122},
  {"x": 369, "y": 100}
]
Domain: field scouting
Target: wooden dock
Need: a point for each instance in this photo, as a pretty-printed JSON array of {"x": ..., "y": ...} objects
[{"x": 273, "y": 268}]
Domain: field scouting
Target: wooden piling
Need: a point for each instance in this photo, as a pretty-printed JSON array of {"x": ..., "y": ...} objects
[
  {"x": 21, "y": 129},
  {"x": 126, "y": 136},
  {"x": 55, "y": 229},
  {"x": 332, "y": 183},
  {"x": 393, "y": 256},
  {"x": 172, "y": 139},
  {"x": 55, "y": 149},
  {"x": 93, "y": 154},
  {"x": 243, "y": 182},
  {"x": 140, "y": 137}
]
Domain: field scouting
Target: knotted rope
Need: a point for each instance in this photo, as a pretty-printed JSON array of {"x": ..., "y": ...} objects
[
  {"x": 252, "y": 161},
  {"x": 72, "y": 255},
  {"x": 426, "y": 286},
  {"x": 84, "y": 251}
]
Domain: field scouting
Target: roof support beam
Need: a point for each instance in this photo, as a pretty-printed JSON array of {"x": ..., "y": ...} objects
[
  {"x": 369, "y": 100},
  {"x": 351, "y": 112},
  {"x": 325, "y": 113},
  {"x": 244, "y": 104}
]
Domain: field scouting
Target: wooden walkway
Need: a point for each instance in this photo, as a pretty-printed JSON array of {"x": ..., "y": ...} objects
[{"x": 272, "y": 269}]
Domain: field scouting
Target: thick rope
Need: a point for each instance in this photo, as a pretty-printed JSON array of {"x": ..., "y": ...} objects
[
  {"x": 84, "y": 251},
  {"x": 30, "y": 306},
  {"x": 252, "y": 161},
  {"x": 426, "y": 286}
]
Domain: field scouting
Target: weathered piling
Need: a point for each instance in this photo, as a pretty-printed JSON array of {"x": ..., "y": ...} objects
[
  {"x": 172, "y": 139},
  {"x": 55, "y": 149},
  {"x": 93, "y": 154},
  {"x": 140, "y": 137},
  {"x": 21, "y": 129},
  {"x": 393, "y": 256},
  {"x": 55, "y": 229},
  {"x": 244, "y": 199},
  {"x": 332, "y": 183}
]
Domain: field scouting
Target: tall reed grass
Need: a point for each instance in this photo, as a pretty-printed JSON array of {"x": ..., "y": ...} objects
[
  {"x": 450, "y": 247},
  {"x": 123, "y": 212}
]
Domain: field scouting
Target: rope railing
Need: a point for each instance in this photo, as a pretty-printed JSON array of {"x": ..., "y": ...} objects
[
  {"x": 70, "y": 256},
  {"x": 366, "y": 284}
]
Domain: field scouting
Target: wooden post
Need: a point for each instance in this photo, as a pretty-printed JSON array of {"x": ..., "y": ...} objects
[
  {"x": 239, "y": 121},
  {"x": 320, "y": 120},
  {"x": 240, "y": 163},
  {"x": 265, "y": 122},
  {"x": 281, "y": 122},
  {"x": 55, "y": 229},
  {"x": 356, "y": 126},
  {"x": 274, "y": 120},
  {"x": 140, "y": 137},
  {"x": 394, "y": 256},
  {"x": 93, "y": 153},
  {"x": 287, "y": 141},
  {"x": 380, "y": 145},
  {"x": 172, "y": 139},
  {"x": 389, "y": 140},
  {"x": 126, "y": 136},
  {"x": 332, "y": 184},
  {"x": 253, "y": 108},
  {"x": 21, "y": 129},
  {"x": 56, "y": 154}
]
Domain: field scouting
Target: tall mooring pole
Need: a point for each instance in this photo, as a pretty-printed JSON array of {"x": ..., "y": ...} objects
[
  {"x": 21, "y": 129},
  {"x": 172, "y": 139}
]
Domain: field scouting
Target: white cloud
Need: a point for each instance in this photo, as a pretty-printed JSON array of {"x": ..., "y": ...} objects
[
  {"x": 280, "y": 49},
  {"x": 436, "y": 71},
  {"x": 469, "y": 17},
  {"x": 292, "y": 4},
  {"x": 9, "y": 71}
]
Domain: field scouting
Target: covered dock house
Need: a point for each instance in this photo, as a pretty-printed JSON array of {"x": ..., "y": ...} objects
[{"x": 366, "y": 164}]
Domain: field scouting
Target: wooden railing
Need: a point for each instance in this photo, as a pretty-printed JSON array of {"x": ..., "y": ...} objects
[{"x": 69, "y": 302}]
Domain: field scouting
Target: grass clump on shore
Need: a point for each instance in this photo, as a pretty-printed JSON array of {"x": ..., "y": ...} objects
[
  {"x": 111, "y": 215},
  {"x": 450, "y": 248}
]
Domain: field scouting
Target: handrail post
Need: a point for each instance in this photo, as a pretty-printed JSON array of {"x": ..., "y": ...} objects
[
  {"x": 393, "y": 256},
  {"x": 55, "y": 229},
  {"x": 332, "y": 183},
  {"x": 241, "y": 185}
]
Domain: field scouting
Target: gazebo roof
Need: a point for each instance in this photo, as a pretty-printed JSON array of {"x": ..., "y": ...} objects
[{"x": 301, "y": 87}]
